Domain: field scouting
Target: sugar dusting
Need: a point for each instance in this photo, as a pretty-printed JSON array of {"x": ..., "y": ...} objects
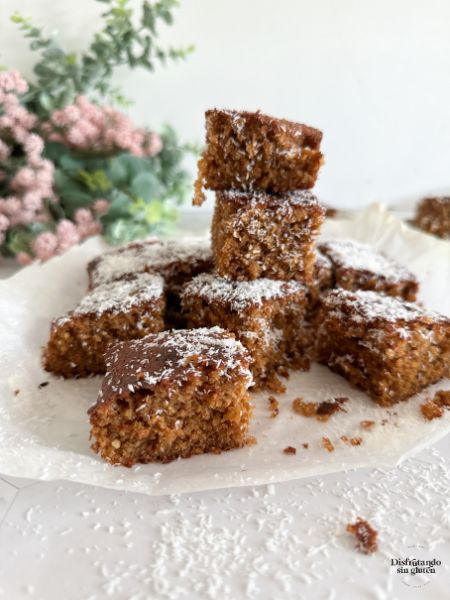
[
  {"x": 173, "y": 356},
  {"x": 151, "y": 256},
  {"x": 119, "y": 296},
  {"x": 361, "y": 257},
  {"x": 361, "y": 306},
  {"x": 239, "y": 295},
  {"x": 278, "y": 541}
]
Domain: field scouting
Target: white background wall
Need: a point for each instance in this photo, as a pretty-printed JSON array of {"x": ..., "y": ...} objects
[{"x": 374, "y": 76}]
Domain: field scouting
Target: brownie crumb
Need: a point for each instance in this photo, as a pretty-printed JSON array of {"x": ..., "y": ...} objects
[
  {"x": 327, "y": 444},
  {"x": 16, "y": 392},
  {"x": 274, "y": 384},
  {"x": 251, "y": 440},
  {"x": 290, "y": 450},
  {"x": 273, "y": 406},
  {"x": 321, "y": 410},
  {"x": 305, "y": 445},
  {"x": 366, "y": 536},
  {"x": 43, "y": 384},
  {"x": 283, "y": 371},
  {"x": 367, "y": 424},
  {"x": 355, "y": 441},
  {"x": 433, "y": 408}
]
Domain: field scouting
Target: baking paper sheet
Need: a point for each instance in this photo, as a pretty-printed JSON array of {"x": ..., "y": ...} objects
[{"x": 44, "y": 432}]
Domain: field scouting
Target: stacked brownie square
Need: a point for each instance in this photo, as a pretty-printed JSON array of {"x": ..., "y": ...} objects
[{"x": 264, "y": 229}]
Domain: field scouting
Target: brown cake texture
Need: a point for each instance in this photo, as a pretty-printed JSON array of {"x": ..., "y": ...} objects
[
  {"x": 175, "y": 260},
  {"x": 120, "y": 310},
  {"x": 252, "y": 151},
  {"x": 390, "y": 348},
  {"x": 172, "y": 394},
  {"x": 256, "y": 234},
  {"x": 265, "y": 315},
  {"x": 357, "y": 266},
  {"x": 433, "y": 216}
]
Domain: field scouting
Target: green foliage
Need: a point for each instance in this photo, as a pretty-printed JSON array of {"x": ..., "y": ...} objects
[
  {"x": 143, "y": 192},
  {"x": 125, "y": 39}
]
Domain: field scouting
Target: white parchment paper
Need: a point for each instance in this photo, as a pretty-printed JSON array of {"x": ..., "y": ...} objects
[{"x": 44, "y": 432}]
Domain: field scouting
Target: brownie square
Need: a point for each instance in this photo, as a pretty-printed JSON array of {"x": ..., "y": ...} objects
[
  {"x": 357, "y": 266},
  {"x": 433, "y": 216},
  {"x": 390, "y": 348},
  {"x": 265, "y": 315},
  {"x": 256, "y": 234},
  {"x": 175, "y": 260},
  {"x": 119, "y": 310},
  {"x": 252, "y": 151},
  {"x": 170, "y": 395}
]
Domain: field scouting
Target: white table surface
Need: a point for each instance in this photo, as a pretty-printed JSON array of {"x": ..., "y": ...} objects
[{"x": 65, "y": 541}]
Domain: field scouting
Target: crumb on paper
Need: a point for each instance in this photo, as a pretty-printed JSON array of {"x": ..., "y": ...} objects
[
  {"x": 367, "y": 424},
  {"x": 43, "y": 384},
  {"x": 327, "y": 444},
  {"x": 283, "y": 371},
  {"x": 305, "y": 445},
  {"x": 274, "y": 384},
  {"x": 251, "y": 440},
  {"x": 290, "y": 450},
  {"x": 354, "y": 441},
  {"x": 273, "y": 406},
  {"x": 322, "y": 411},
  {"x": 433, "y": 408},
  {"x": 365, "y": 534},
  {"x": 16, "y": 392},
  {"x": 430, "y": 410}
]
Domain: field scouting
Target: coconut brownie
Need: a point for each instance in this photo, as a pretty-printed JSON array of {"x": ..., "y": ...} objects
[
  {"x": 252, "y": 151},
  {"x": 119, "y": 310},
  {"x": 177, "y": 261},
  {"x": 256, "y": 234},
  {"x": 357, "y": 266},
  {"x": 172, "y": 394},
  {"x": 433, "y": 216},
  {"x": 390, "y": 348},
  {"x": 265, "y": 315}
]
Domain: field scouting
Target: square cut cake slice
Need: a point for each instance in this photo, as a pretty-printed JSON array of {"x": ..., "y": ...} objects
[
  {"x": 171, "y": 395},
  {"x": 390, "y": 348},
  {"x": 119, "y": 310},
  {"x": 176, "y": 261},
  {"x": 433, "y": 216},
  {"x": 357, "y": 266},
  {"x": 256, "y": 234},
  {"x": 252, "y": 151},
  {"x": 266, "y": 315}
]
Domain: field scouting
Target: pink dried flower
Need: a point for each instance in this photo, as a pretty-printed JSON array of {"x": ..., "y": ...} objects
[
  {"x": 67, "y": 235},
  {"x": 101, "y": 207},
  {"x": 87, "y": 127},
  {"x": 4, "y": 223},
  {"x": 45, "y": 245},
  {"x": 12, "y": 81}
]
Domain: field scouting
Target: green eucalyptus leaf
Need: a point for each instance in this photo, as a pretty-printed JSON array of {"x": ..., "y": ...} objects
[{"x": 145, "y": 185}]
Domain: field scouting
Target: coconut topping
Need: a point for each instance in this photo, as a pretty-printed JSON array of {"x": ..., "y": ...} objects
[
  {"x": 153, "y": 255},
  {"x": 119, "y": 296},
  {"x": 173, "y": 357},
  {"x": 239, "y": 295}
]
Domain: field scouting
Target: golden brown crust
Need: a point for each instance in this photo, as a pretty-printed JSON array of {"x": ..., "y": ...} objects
[
  {"x": 433, "y": 216},
  {"x": 390, "y": 348},
  {"x": 189, "y": 397},
  {"x": 256, "y": 152},
  {"x": 258, "y": 235}
]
